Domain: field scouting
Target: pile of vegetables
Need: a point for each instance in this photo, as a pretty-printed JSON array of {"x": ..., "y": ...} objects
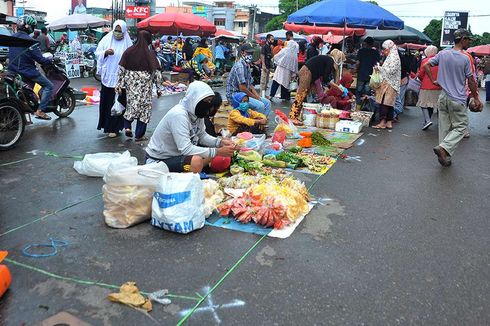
[
  {"x": 270, "y": 202},
  {"x": 315, "y": 163},
  {"x": 319, "y": 140},
  {"x": 293, "y": 160}
]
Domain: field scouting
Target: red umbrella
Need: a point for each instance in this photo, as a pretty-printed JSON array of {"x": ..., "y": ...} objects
[
  {"x": 412, "y": 46},
  {"x": 178, "y": 23},
  {"x": 323, "y": 30},
  {"x": 480, "y": 50},
  {"x": 223, "y": 32}
]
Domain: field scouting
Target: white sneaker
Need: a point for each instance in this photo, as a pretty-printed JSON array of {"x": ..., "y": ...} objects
[{"x": 427, "y": 125}]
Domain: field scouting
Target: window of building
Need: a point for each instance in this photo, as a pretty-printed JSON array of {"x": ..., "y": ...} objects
[
  {"x": 219, "y": 22},
  {"x": 242, "y": 24}
]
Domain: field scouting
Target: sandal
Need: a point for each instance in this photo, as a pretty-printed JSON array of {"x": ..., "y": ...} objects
[
  {"x": 42, "y": 116},
  {"x": 128, "y": 133},
  {"x": 141, "y": 139},
  {"x": 379, "y": 127}
]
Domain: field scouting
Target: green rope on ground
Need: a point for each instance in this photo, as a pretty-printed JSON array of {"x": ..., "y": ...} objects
[
  {"x": 50, "y": 214},
  {"x": 231, "y": 270},
  {"x": 19, "y": 161},
  {"x": 85, "y": 282},
  {"x": 58, "y": 155},
  {"x": 314, "y": 182}
]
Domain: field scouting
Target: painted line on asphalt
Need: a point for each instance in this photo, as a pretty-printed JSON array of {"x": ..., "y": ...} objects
[
  {"x": 19, "y": 161},
  {"x": 50, "y": 214},
  {"x": 230, "y": 271},
  {"x": 86, "y": 282}
]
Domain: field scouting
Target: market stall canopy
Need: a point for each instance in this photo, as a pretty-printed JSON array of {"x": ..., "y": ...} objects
[
  {"x": 348, "y": 13},
  {"x": 407, "y": 34},
  {"x": 324, "y": 30},
  {"x": 223, "y": 34},
  {"x": 412, "y": 46},
  {"x": 480, "y": 50},
  {"x": 280, "y": 34},
  {"x": 77, "y": 21},
  {"x": 178, "y": 23},
  {"x": 17, "y": 42}
]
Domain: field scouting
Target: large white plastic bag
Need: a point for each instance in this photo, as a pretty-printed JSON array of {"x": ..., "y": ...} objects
[
  {"x": 117, "y": 109},
  {"x": 96, "y": 165},
  {"x": 128, "y": 193},
  {"x": 178, "y": 203}
]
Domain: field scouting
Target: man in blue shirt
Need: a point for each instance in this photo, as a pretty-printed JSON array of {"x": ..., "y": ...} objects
[
  {"x": 454, "y": 72},
  {"x": 240, "y": 80},
  {"x": 23, "y": 62},
  {"x": 220, "y": 52}
]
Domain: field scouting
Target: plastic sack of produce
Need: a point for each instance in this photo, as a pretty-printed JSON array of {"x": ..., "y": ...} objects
[
  {"x": 375, "y": 81},
  {"x": 96, "y": 165},
  {"x": 128, "y": 193},
  {"x": 178, "y": 203}
]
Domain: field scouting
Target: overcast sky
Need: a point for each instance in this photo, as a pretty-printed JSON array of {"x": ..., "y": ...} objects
[{"x": 415, "y": 13}]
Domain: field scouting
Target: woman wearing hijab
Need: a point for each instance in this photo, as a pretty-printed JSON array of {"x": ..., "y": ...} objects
[
  {"x": 180, "y": 139},
  {"x": 286, "y": 68},
  {"x": 314, "y": 47},
  {"x": 338, "y": 58},
  {"x": 187, "y": 50},
  {"x": 195, "y": 67},
  {"x": 203, "y": 48},
  {"x": 109, "y": 52},
  {"x": 243, "y": 119},
  {"x": 388, "y": 91},
  {"x": 138, "y": 71},
  {"x": 429, "y": 93}
]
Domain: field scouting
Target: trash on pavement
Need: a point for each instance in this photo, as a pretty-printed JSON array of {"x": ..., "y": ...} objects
[{"x": 131, "y": 296}]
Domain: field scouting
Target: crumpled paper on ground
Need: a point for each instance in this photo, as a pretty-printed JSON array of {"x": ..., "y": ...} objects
[{"x": 131, "y": 296}]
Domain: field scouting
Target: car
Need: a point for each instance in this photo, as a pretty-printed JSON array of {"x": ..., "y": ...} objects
[{"x": 4, "y": 50}]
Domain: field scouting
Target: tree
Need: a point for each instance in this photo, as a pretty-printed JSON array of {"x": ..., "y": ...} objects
[
  {"x": 373, "y": 2},
  {"x": 434, "y": 30},
  {"x": 286, "y": 8}
]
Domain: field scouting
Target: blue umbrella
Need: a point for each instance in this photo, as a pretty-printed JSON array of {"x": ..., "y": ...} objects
[{"x": 346, "y": 13}]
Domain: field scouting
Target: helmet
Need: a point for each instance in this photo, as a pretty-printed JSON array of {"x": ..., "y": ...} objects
[{"x": 26, "y": 23}]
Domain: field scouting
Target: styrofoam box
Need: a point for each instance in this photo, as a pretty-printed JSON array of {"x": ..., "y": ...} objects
[{"x": 352, "y": 127}]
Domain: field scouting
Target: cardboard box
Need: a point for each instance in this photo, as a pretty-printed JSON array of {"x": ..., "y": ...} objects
[{"x": 352, "y": 127}]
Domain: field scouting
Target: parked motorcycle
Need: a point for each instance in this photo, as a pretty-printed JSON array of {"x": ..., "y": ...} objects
[
  {"x": 19, "y": 98},
  {"x": 163, "y": 62},
  {"x": 91, "y": 63}
]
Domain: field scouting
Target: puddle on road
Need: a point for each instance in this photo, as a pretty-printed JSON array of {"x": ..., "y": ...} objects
[{"x": 317, "y": 223}]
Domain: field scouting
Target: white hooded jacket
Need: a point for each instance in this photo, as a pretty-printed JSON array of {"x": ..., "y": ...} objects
[{"x": 180, "y": 132}]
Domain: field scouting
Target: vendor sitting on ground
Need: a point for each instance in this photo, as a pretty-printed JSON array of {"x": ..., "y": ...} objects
[
  {"x": 195, "y": 68},
  {"x": 180, "y": 139},
  {"x": 341, "y": 99},
  {"x": 243, "y": 119}
]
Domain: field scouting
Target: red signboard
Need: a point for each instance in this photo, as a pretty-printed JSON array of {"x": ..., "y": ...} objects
[{"x": 139, "y": 12}]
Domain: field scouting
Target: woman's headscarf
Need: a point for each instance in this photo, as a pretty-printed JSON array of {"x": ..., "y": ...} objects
[
  {"x": 236, "y": 99},
  {"x": 391, "y": 69},
  {"x": 431, "y": 51},
  {"x": 138, "y": 57},
  {"x": 199, "y": 59},
  {"x": 108, "y": 67},
  {"x": 346, "y": 79},
  {"x": 338, "y": 58},
  {"x": 288, "y": 57}
]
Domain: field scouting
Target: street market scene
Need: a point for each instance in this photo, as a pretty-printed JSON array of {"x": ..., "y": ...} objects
[{"x": 222, "y": 163}]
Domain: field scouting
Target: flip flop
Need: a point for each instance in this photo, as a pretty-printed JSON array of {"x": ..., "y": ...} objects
[
  {"x": 128, "y": 133},
  {"x": 42, "y": 117},
  {"x": 378, "y": 127},
  {"x": 141, "y": 139}
]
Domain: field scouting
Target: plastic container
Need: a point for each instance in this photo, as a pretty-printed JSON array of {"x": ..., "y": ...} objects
[
  {"x": 309, "y": 119},
  {"x": 89, "y": 90}
]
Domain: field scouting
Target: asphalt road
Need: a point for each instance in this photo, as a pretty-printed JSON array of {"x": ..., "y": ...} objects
[{"x": 402, "y": 240}]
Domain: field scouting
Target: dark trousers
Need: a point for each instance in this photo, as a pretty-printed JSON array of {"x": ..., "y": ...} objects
[
  {"x": 140, "y": 127},
  {"x": 285, "y": 95},
  {"x": 487, "y": 91},
  {"x": 386, "y": 112},
  {"x": 362, "y": 88},
  {"x": 47, "y": 87},
  {"x": 106, "y": 121}
]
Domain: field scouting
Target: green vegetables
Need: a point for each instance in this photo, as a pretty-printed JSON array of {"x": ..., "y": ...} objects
[
  {"x": 249, "y": 166},
  {"x": 319, "y": 140},
  {"x": 293, "y": 159},
  {"x": 249, "y": 156},
  {"x": 295, "y": 149}
]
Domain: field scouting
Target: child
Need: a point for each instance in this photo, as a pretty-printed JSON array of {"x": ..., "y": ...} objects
[{"x": 243, "y": 119}]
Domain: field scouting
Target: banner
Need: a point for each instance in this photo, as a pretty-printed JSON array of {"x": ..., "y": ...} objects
[
  {"x": 72, "y": 65},
  {"x": 452, "y": 21},
  {"x": 138, "y": 12},
  {"x": 78, "y": 6}
]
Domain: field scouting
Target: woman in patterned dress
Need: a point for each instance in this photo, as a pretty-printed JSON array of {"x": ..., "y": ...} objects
[{"x": 138, "y": 71}]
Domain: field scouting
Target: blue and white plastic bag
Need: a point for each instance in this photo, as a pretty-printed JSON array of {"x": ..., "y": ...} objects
[{"x": 178, "y": 203}]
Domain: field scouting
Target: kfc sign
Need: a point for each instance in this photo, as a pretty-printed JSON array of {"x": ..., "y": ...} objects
[{"x": 137, "y": 12}]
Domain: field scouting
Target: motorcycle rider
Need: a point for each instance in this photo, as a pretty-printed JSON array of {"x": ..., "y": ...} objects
[{"x": 23, "y": 62}]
